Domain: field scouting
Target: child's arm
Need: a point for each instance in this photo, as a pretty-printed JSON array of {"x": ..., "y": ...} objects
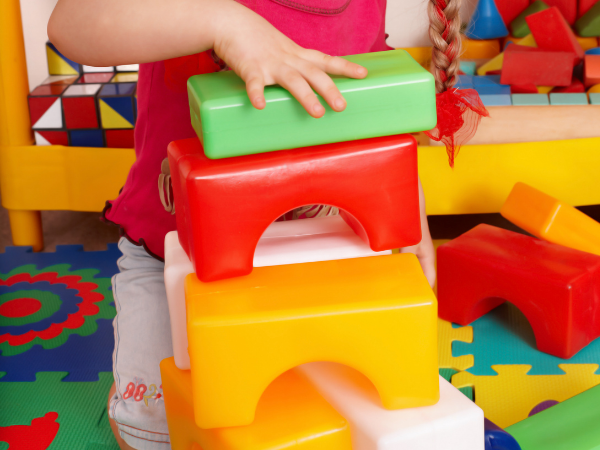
[{"x": 115, "y": 32}]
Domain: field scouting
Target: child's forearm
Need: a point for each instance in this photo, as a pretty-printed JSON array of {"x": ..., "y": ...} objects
[{"x": 114, "y": 32}]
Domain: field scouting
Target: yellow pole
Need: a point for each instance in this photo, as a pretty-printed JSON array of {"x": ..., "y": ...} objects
[{"x": 15, "y": 128}]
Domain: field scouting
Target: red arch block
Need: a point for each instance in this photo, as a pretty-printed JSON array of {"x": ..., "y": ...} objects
[
  {"x": 224, "y": 205},
  {"x": 556, "y": 288}
]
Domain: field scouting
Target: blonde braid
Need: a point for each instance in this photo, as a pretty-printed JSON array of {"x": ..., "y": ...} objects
[{"x": 444, "y": 32}]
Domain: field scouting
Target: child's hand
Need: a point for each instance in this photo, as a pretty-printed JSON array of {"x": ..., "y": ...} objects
[{"x": 262, "y": 56}]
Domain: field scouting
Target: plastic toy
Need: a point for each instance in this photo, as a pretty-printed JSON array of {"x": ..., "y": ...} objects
[
  {"x": 593, "y": 51},
  {"x": 568, "y": 9},
  {"x": 584, "y": 6},
  {"x": 552, "y": 32},
  {"x": 509, "y": 396},
  {"x": 551, "y": 220},
  {"x": 94, "y": 78},
  {"x": 510, "y": 9},
  {"x": 591, "y": 70},
  {"x": 290, "y": 414},
  {"x": 519, "y": 27},
  {"x": 398, "y": 96},
  {"x": 58, "y": 64},
  {"x": 530, "y": 100},
  {"x": 454, "y": 421},
  {"x": 594, "y": 98},
  {"x": 587, "y": 43},
  {"x": 45, "y": 107},
  {"x": 118, "y": 138},
  {"x": 568, "y": 99},
  {"x": 289, "y": 242},
  {"x": 498, "y": 439},
  {"x": 572, "y": 425},
  {"x": 116, "y": 105},
  {"x": 479, "y": 48},
  {"x": 373, "y": 182},
  {"x": 79, "y": 104},
  {"x": 486, "y": 22},
  {"x": 496, "y": 62},
  {"x": 588, "y": 25},
  {"x": 523, "y": 65},
  {"x": 86, "y": 138},
  {"x": 576, "y": 87},
  {"x": 487, "y": 266},
  {"x": 244, "y": 332}
]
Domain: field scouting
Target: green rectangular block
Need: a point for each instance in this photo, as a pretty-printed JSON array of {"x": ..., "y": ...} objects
[
  {"x": 588, "y": 25},
  {"x": 568, "y": 99},
  {"x": 595, "y": 98},
  {"x": 519, "y": 27},
  {"x": 397, "y": 96},
  {"x": 530, "y": 100},
  {"x": 571, "y": 425}
]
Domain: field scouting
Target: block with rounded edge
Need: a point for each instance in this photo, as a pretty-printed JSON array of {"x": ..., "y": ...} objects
[
  {"x": 567, "y": 8},
  {"x": 287, "y": 242},
  {"x": 510, "y": 9},
  {"x": 525, "y": 65},
  {"x": 519, "y": 27},
  {"x": 591, "y": 70},
  {"x": 486, "y": 22},
  {"x": 377, "y": 315},
  {"x": 588, "y": 25},
  {"x": 454, "y": 423},
  {"x": 290, "y": 414},
  {"x": 398, "y": 96},
  {"x": 224, "y": 205}
]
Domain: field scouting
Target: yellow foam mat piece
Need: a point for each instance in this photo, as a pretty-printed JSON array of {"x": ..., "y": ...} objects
[
  {"x": 496, "y": 62},
  {"x": 446, "y": 335},
  {"x": 111, "y": 118},
  {"x": 57, "y": 65},
  {"x": 509, "y": 397}
]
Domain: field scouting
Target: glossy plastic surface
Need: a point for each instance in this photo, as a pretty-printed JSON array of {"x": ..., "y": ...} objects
[
  {"x": 570, "y": 425},
  {"x": 224, "y": 206},
  {"x": 556, "y": 288},
  {"x": 498, "y": 439},
  {"x": 398, "y": 96},
  {"x": 377, "y": 315},
  {"x": 288, "y": 242},
  {"x": 486, "y": 22},
  {"x": 290, "y": 414},
  {"x": 454, "y": 423},
  {"x": 550, "y": 219}
]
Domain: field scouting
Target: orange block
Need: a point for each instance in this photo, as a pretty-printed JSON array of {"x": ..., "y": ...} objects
[
  {"x": 591, "y": 70},
  {"x": 551, "y": 220},
  {"x": 290, "y": 414},
  {"x": 480, "y": 49}
]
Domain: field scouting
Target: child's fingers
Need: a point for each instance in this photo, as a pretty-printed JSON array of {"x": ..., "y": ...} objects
[
  {"x": 324, "y": 85},
  {"x": 295, "y": 83},
  {"x": 335, "y": 65},
  {"x": 255, "y": 87}
]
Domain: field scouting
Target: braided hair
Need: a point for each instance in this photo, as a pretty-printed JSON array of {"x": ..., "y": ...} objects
[{"x": 444, "y": 32}]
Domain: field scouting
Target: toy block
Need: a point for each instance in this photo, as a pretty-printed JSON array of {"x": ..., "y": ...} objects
[
  {"x": 45, "y": 106},
  {"x": 519, "y": 27},
  {"x": 524, "y": 89},
  {"x": 288, "y": 242},
  {"x": 493, "y": 90},
  {"x": 587, "y": 43},
  {"x": 575, "y": 87},
  {"x": 125, "y": 77},
  {"x": 367, "y": 313},
  {"x": 510, "y": 9},
  {"x": 128, "y": 68},
  {"x": 271, "y": 184},
  {"x": 60, "y": 79},
  {"x": 588, "y": 25},
  {"x": 496, "y": 99},
  {"x": 594, "y": 98},
  {"x": 479, "y": 48},
  {"x": 95, "y": 78},
  {"x": 86, "y": 138},
  {"x": 397, "y": 97},
  {"x": 571, "y": 424},
  {"x": 567, "y": 8},
  {"x": 51, "y": 137},
  {"x": 544, "y": 89},
  {"x": 119, "y": 138},
  {"x": 555, "y": 287},
  {"x": 486, "y": 22},
  {"x": 498, "y": 439},
  {"x": 593, "y": 89},
  {"x": 79, "y": 104},
  {"x": 568, "y": 99},
  {"x": 487, "y": 80},
  {"x": 58, "y": 64},
  {"x": 552, "y": 32},
  {"x": 525, "y": 65},
  {"x": 496, "y": 62},
  {"x": 550, "y": 219},
  {"x": 465, "y": 82},
  {"x": 290, "y": 414},
  {"x": 468, "y": 67},
  {"x": 584, "y": 6},
  {"x": 94, "y": 69},
  {"x": 591, "y": 74},
  {"x": 454, "y": 420},
  {"x": 530, "y": 100},
  {"x": 116, "y": 104},
  {"x": 593, "y": 51}
]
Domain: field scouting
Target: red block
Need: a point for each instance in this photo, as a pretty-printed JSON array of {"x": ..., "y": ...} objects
[
  {"x": 575, "y": 87},
  {"x": 119, "y": 138},
  {"x": 44, "y": 103},
  {"x": 552, "y": 32},
  {"x": 591, "y": 70},
  {"x": 224, "y": 205},
  {"x": 54, "y": 137},
  {"x": 568, "y": 8},
  {"x": 584, "y": 6},
  {"x": 555, "y": 287},
  {"x": 510, "y": 9},
  {"x": 529, "y": 65},
  {"x": 524, "y": 89},
  {"x": 80, "y": 112}
]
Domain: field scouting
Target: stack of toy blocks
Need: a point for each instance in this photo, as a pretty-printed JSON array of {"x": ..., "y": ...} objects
[
  {"x": 324, "y": 289},
  {"x": 84, "y": 106}
]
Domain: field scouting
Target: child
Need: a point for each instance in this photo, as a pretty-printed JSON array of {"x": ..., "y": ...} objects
[{"x": 265, "y": 42}]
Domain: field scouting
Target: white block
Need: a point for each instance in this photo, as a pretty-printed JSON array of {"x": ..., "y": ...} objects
[
  {"x": 128, "y": 68},
  {"x": 454, "y": 423},
  {"x": 93, "y": 69},
  {"x": 290, "y": 242}
]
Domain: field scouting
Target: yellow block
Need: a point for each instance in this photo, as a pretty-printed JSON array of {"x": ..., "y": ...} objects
[
  {"x": 587, "y": 42},
  {"x": 550, "y": 219},
  {"x": 479, "y": 49},
  {"x": 496, "y": 62},
  {"x": 57, "y": 65},
  {"x": 508, "y": 397},
  {"x": 485, "y": 174},
  {"x": 420, "y": 54},
  {"x": 594, "y": 89},
  {"x": 290, "y": 414},
  {"x": 110, "y": 118},
  {"x": 544, "y": 89},
  {"x": 377, "y": 315}
]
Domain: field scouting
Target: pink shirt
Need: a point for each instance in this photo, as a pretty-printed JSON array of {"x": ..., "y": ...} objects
[{"x": 335, "y": 27}]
